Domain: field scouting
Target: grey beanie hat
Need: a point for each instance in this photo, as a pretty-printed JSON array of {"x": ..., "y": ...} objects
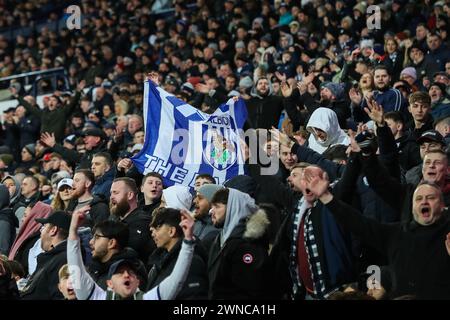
[
  {"x": 335, "y": 88},
  {"x": 208, "y": 190},
  {"x": 246, "y": 82},
  {"x": 31, "y": 148}
]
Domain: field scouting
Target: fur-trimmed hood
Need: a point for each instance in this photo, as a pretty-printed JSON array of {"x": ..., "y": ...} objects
[{"x": 257, "y": 225}]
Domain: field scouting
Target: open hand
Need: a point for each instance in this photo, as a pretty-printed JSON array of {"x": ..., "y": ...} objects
[
  {"x": 202, "y": 88},
  {"x": 286, "y": 89},
  {"x": 280, "y": 138},
  {"x": 317, "y": 184},
  {"x": 309, "y": 78},
  {"x": 280, "y": 76},
  {"x": 375, "y": 111},
  {"x": 355, "y": 96},
  {"x": 48, "y": 139}
]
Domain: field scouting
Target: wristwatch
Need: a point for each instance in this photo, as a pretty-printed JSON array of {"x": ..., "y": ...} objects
[{"x": 189, "y": 242}]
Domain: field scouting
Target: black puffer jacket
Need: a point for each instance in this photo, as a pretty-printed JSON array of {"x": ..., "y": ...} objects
[
  {"x": 240, "y": 268},
  {"x": 43, "y": 283}
]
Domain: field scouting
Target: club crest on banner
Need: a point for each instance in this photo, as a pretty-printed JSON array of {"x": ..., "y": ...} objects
[{"x": 219, "y": 149}]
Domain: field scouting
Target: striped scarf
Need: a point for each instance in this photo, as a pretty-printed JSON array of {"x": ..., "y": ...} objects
[
  {"x": 311, "y": 249},
  {"x": 313, "y": 257},
  {"x": 293, "y": 270}
]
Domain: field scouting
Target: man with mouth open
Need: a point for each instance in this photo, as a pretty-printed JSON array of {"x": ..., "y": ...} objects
[
  {"x": 398, "y": 195},
  {"x": 418, "y": 252},
  {"x": 123, "y": 282}
]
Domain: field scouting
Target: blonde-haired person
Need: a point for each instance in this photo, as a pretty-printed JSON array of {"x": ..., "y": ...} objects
[
  {"x": 65, "y": 284},
  {"x": 63, "y": 195},
  {"x": 120, "y": 107}
]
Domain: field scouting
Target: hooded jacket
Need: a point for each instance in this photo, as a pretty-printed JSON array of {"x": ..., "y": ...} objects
[
  {"x": 238, "y": 260},
  {"x": 23, "y": 201},
  {"x": 178, "y": 197},
  {"x": 8, "y": 222},
  {"x": 29, "y": 227},
  {"x": 29, "y": 126},
  {"x": 16, "y": 194},
  {"x": 326, "y": 120}
]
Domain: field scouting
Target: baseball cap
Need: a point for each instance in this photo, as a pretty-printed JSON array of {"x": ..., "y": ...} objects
[
  {"x": 71, "y": 139},
  {"x": 431, "y": 136},
  {"x": 59, "y": 218},
  {"x": 65, "y": 182},
  {"x": 119, "y": 263},
  {"x": 10, "y": 109},
  {"x": 95, "y": 132},
  {"x": 95, "y": 112}
]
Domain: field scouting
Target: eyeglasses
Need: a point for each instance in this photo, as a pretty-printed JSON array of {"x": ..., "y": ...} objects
[{"x": 96, "y": 236}]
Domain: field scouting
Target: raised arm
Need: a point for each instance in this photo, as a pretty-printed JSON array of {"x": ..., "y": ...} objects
[
  {"x": 386, "y": 141},
  {"x": 305, "y": 154},
  {"x": 85, "y": 287},
  {"x": 30, "y": 108},
  {"x": 171, "y": 286},
  {"x": 370, "y": 231},
  {"x": 68, "y": 109}
]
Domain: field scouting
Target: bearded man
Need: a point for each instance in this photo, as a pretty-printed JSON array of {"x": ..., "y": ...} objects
[
  {"x": 83, "y": 182},
  {"x": 264, "y": 107},
  {"x": 123, "y": 205}
]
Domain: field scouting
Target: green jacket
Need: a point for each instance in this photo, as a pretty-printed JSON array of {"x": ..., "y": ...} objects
[{"x": 52, "y": 121}]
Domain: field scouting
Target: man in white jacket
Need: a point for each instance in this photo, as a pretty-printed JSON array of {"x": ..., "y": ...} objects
[
  {"x": 325, "y": 130},
  {"x": 124, "y": 283}
]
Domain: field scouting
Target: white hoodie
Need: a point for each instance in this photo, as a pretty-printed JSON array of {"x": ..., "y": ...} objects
[
  {"x": 178, "y": 197},
  {"x": 326, "y": 120}
]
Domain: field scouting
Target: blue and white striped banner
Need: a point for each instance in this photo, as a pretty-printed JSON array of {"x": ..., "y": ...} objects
[{"x": 182, "y": 142}]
